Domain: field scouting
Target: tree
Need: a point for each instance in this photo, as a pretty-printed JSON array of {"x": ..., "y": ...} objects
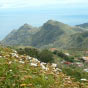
[
  {"x": 46, "y": 56},
  {"x": 32, "y": 52},
  {"x": 21, "y": 51},
  {"x": 62, "y": 55},
  {"x": 29, "y": 51}
]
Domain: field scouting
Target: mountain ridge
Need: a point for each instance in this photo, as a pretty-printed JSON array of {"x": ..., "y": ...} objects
[
  {"x": 84, "y": 25},
  {"x": 50, "y": 34}
]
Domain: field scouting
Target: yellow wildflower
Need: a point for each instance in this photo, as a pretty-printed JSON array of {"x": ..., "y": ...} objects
[{"x": 22, "y": 85}]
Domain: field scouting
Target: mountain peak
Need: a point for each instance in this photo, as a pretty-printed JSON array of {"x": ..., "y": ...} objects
[
  {"x": 54, "y": 22},
  {"x": 26, "y": 27},
  {"x": 51, "y": 21},
  {"x": 26, "y": 24}
]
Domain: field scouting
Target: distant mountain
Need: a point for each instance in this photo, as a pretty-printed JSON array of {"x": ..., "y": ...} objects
[
  {"x": 51, "y": 34},
  {"x": 54, "y": 34},
  {"x": 85, "y": 25},
  {"x": 22, "y": 36}
]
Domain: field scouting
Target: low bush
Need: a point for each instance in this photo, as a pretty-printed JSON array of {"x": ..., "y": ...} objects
[
  {"x": 44, "y": 55},
  {"x": 62, "y": 55}
]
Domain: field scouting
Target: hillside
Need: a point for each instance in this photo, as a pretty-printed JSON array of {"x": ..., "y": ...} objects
[
  {"x": 22, "y": 36},
  {"x": 21, "y": 71},
  {"x": 51, "y": 34},
  {"x": 79, "y": 40},
  {"x": 54, "y": 34}
]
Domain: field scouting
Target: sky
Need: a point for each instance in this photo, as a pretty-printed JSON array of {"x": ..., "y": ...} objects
[{"x": 15, "y": 13}]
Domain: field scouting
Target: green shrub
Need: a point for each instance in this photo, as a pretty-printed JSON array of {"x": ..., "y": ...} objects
[
  {"x": 46, "y": 56},
  {"x": 32, "y": 52},
  {"x": 29, "y": 51},
  {"x": 65, "y": 57},
  {"x": 21, "y": 51}
]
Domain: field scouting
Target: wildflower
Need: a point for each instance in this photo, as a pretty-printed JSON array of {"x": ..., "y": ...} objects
[
  {"x": 10, "y": 62},
  {"x": 34, "y": 64},
  {"x": 27, "y": 77},
  {"x": 54, "y": 65},
  {"x": 43, "y": 67},
  {"x": 83, "y": 79},
  {"x": 14, "y": 55},
  {"x": 14, "y": 51},
  {"x": 22, "y": 62},
  {"x": 28, "y": 57},
  {"x": 34, "y": 60},
  {"x": 10, "y": 70},
  {"x": 13, "y": 84},
  {"x": 0, "y": 56},
  {"x": 22, "y": 79},
  {"x": 43, "y": 63},
  {"x": 67, "y": 54},
  {"x": 23, "y": 85},
  {"x": 29, "y": 85},
  {"x": 58, "y": 69}
]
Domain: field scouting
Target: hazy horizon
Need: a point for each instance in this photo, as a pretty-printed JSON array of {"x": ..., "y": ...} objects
[{"x": 14, "y": 14}]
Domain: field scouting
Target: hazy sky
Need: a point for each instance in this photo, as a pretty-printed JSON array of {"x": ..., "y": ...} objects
[
  {"x": 39, "y": 3},
  {"x": 14, "y": 13}
]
